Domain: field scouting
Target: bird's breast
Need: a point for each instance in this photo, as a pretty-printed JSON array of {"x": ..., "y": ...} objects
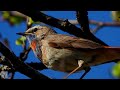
[{"x": 60, "y": 59}]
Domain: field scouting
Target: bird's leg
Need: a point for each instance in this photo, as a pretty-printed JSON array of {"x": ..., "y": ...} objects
[
  {"x": 80, "y": 62},
  {"x": 87, "y": 69}
]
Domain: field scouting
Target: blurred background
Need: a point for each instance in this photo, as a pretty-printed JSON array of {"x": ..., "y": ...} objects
[{"x": 10, "y": 24}]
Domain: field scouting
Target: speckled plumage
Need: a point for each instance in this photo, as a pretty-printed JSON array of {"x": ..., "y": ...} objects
[{"x": 62, "y": 52}]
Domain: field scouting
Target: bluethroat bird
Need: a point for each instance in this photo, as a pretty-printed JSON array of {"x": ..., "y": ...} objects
[{"x": 67, "y": 53}]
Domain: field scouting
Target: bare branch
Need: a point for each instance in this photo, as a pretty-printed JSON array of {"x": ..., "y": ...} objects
[
  {"x": 98, "y": 24},
  {"x": 37, "y": 66},
  {"x": 15, "y": 13},
  {"x": 63, "y": 25},
  {"x": 104, "y": 23},
  {"x": 115, "y": 24},
  {"x": 20, "y": 65},
  {"x": 82, "y": 18},
  {"x": 96, "y": 29}
]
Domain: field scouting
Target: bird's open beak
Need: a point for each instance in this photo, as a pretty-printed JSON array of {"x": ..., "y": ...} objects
[{"x": 24, "y": 34}]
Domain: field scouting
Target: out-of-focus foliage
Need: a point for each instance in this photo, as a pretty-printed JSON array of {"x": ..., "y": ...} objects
[
  {"x": 30, "y": 21},
  {"x": 12, "y": 19},
  {"x": 116, "y": 70},
  {"x": 33, "y": 22},
  {"x": 116, "y": 67},
  {"x": 115, "y": 15},
  {"x": 21, "y": 40}
]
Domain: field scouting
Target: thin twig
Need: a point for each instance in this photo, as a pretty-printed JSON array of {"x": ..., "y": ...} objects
[
  {"x": 96, "y": 29},
  {"x": 115, "y": 24},
  {"x": 15, "y": 13},
  {"x": 104, "y": 23},
  {"x": 98, "y": 24},
  {"x": 23, "y": 55}
]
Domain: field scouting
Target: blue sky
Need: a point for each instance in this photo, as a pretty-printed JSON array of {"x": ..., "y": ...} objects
[{"x": 110, "y": 35}]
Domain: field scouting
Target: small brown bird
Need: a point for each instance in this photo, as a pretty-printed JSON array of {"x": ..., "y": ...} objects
[{"x": 67, "y": 53}]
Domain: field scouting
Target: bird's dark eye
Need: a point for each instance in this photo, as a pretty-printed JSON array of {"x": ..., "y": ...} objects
[{"x": 35, "y": 29}]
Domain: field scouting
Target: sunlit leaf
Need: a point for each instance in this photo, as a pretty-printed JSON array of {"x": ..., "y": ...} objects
[
  {"x": 116, "y": 70},
  {"x": 12, "y": 19},
  {"x": 30, "y": 21},
  {"x": 5, "y": 14},
  {"x": 15, "y": 20},
  {"x": 115, "y": 15},
  {"x": 23, "y": 38},
  {"x": 20, "y": 41}
]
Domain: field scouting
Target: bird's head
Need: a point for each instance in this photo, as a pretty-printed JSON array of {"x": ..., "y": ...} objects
[{"x": 37, "y": 32}]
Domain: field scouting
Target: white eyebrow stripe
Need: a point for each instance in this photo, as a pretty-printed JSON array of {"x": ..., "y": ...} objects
[{"x": 32, "y": 28}]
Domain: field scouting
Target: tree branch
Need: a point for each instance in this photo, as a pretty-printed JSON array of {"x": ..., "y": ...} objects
[
  {"x": 98, "y": 23},
  {"x": 82, "y": 18},
  {"x": 63, "y": 25},
  {"x": 104, "y": 23},
  {"x": 20, "y": 65},
  {"x": 96, "y": 29},
  {"x": 15, "y": 13},
  {"x": 37, "y": 66}
]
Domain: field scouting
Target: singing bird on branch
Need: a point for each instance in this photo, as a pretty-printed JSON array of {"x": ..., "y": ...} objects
[{"x": 67, "y": 53}]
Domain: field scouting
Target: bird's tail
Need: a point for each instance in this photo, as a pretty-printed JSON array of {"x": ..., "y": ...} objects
[
  {"x": 106, "y": 54},
  {"x": 113, "y": 49}
]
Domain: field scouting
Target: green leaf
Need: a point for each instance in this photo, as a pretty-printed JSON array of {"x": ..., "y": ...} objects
[
  {"x": 115, "y": 15},
  {"x": 20, "y": 41},
  {"x": 15, "y": 20},
  {"x": 30, "y": 21},
  {"x": 6, "y": 14},
  {"x": 116, "y": 70},
  {"x": 23, "y": 38}
]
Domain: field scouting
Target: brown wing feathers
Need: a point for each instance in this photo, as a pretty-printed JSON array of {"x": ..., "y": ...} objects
[{"x": 73, "y": 42}]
